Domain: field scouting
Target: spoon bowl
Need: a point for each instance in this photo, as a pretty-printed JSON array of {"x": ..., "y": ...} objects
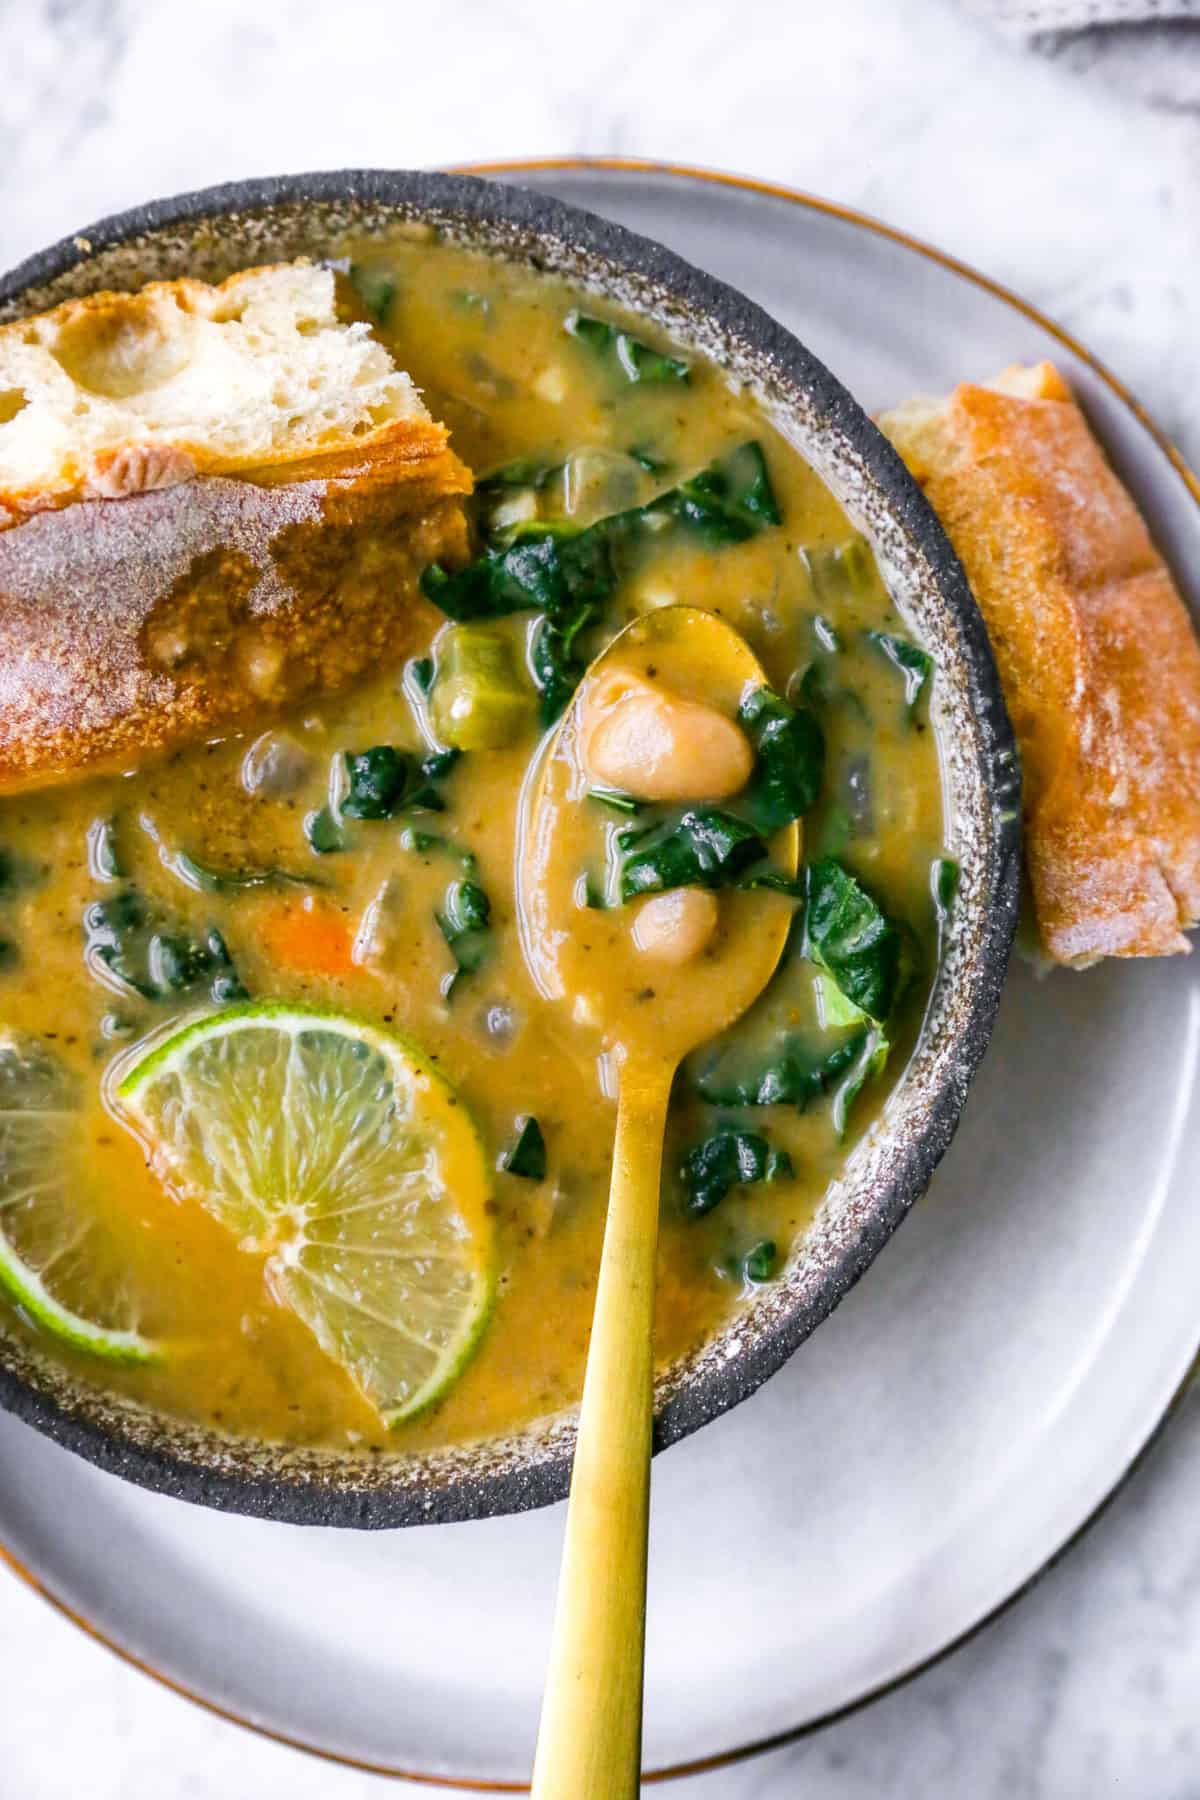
[{"x": 639, "y": 1007}]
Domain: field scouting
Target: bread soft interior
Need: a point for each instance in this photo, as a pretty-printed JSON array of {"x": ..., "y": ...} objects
[{"x": 119, "y": 393}]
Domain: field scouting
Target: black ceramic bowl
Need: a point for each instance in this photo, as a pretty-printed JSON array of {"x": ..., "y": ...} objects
[{"x": 209, "y": 234}]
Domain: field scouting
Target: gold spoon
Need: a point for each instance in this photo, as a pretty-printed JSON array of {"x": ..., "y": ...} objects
[{"x": 589, "y": 1741}]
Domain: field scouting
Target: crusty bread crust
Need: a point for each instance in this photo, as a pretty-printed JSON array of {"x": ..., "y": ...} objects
[
  {"x": 1097, "y": 656},
  {"x": 118, "y": 394},
  {"x": 218, "y": 503},
  {"x": 126, "y": 630}
]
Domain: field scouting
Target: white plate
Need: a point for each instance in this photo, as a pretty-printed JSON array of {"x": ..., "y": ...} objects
[{"x": 963, "y": 1414}]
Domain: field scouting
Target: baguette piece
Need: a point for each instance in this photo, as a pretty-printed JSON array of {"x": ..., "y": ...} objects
[
  {"x": 1097, "y": 655},
  {"x": 119, "y": 393},
  {"x": 235, "y": 521}
]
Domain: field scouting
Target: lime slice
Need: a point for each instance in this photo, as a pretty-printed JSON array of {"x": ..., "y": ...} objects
[
  {"x": 56, "y": 1261},
  {"x": 333, "y": 1149}
]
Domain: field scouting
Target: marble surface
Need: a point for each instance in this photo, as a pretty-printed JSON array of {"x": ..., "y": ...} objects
[{"x": 1068, "y": 190}]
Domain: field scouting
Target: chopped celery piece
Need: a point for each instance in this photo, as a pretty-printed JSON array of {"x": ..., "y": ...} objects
[{"x": 479, "y": 701}]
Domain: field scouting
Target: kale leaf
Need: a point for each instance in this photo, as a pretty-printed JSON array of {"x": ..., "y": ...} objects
[
  {"x": 789, "y": 759},
  {"x": 793, "y": 1073},
  {"x": 376, "y": 290},
  {"x": 465, "y": 923},
  {"x": 636, "y": 361},
  {"x": 143, "y": 953},
  {"x": 914, "y": 664},
  {"x": 759, "y": 1263},
  {"x": 873, "y": 1053},
  {"x": 526, "y": 1156},
  {"x": 324, "y": 833},
  {"x": 384, "y": 781},
  {"x": 702, "y": 847},
  {"x": 849, "y": 936},
  {"x": 728, "y": 502},
  {"x": 728, "y": 1158},
  {"x": 943, "y": 881}
]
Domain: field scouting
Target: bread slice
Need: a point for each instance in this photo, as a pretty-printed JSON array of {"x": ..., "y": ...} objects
[
  {"x": 214, "y": 501},
  {"x": 119, "y": 393},
  {"x": 1097, "y": 656}
]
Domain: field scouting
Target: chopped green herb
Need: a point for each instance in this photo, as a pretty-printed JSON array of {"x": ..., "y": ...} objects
[
  {"x": 376, "y": 290},
  {"x": 324, "y": 833},
  {"x": 703, "y": 847},
  {"x": 526, "y": 1156},
  {"x": 789, "y": 751},
  {"x": 728, "y": 1158},
  {"x": 421, "y": 669},
  {"x": 914, "y": 664},
  {"x": 849, "y": 936},
  {"x": 622, "y": 803},
  {"x": 465, "y": 922},
  {"x": 636, "y": 361}
]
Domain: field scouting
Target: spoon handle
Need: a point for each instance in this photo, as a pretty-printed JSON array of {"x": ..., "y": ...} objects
[{"x": 590, "y": 1738}]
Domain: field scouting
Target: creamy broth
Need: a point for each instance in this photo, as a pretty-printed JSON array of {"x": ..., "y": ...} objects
[{"x": 359, "y": 932}]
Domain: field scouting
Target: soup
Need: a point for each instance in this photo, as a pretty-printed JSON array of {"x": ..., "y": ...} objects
[{"x": 360, "y": 858}]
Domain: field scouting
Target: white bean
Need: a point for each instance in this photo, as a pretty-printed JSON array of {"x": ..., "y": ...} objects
[
  {"x": 675, "y": 927},
  {"x": 647, "y": 742}
]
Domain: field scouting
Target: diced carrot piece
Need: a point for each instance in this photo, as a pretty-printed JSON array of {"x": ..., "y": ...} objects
[{"x": 307, "y": 935}]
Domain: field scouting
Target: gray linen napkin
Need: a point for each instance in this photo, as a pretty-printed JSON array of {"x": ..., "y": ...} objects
[{"x": 1150, "y": 48}]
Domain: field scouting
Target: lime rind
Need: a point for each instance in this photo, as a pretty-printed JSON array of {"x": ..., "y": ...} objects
[
  {"x": 29, "y": 1292},
  {"x": 51, "y": 1247},
  {"x": 359, "y": 1205}
]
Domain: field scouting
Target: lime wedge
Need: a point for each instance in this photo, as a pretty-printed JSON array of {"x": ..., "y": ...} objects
[
  {"x": 336, "y": 1151},
  {"x": 56, "y": 1262}
]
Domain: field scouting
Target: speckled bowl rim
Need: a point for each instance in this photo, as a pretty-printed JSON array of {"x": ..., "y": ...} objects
[{"x": 894, "y": 1165}]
